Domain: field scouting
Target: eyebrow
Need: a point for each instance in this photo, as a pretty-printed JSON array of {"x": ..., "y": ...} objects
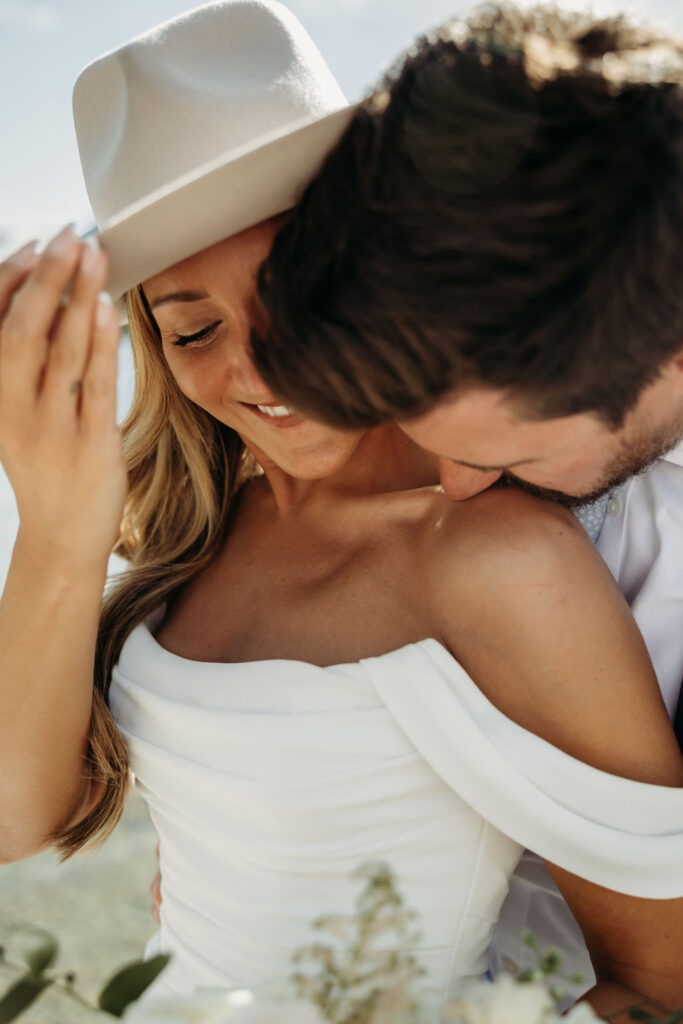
[{"x": 178, "y": 297}]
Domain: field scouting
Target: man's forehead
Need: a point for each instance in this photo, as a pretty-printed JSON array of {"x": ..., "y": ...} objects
[
  {"x": 482, "y": 430},
  {"x": 474, "y": 401}
]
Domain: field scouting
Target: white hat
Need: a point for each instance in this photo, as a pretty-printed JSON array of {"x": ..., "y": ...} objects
[{"x": 200, "y": 128}]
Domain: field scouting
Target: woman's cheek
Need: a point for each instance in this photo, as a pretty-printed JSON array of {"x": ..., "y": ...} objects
[{"x": 196, "y": 378}]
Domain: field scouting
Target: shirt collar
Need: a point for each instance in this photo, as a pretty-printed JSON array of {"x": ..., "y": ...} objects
[{"x": 675, "y": 455}]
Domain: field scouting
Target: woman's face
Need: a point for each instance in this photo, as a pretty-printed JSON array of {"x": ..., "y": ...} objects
[{"x": 206, "y": 307}]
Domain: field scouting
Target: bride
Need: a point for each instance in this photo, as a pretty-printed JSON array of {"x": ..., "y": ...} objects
[{"x": 315, "y": 657}]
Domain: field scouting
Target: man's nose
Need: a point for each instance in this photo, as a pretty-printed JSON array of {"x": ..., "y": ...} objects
[{"x": 461, "y": 482}]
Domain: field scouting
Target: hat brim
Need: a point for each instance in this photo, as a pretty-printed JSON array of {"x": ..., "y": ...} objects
[{"x": 216, "y": 201}]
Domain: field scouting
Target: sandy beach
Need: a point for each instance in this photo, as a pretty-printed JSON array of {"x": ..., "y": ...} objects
[{"x": 96, "y": 905}]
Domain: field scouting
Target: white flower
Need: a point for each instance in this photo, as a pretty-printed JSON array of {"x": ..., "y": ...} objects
[
  {"x": 201, "y": 1008},
  {"x": 508, "y": 1001},
  {"x": 581, "y": 1013},
  {"x": 213, "y": 1006},
  {"x": 273, "y": 1013},
  {"x": 504, "y": 1001}
]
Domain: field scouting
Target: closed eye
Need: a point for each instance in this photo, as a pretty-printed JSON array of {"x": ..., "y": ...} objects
[{"x": 187, "y": 339}]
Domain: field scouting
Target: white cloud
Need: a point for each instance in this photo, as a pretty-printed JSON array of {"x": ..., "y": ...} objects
[
  {"x": 312, "y": 7},
  {"x": 36, "y": 17}
]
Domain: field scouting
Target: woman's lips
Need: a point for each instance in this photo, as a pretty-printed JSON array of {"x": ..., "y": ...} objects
[{"x": 276, "y": 418}]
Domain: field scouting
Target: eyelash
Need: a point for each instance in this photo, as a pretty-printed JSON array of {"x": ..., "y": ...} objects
[{"x": 185, "y": 339}]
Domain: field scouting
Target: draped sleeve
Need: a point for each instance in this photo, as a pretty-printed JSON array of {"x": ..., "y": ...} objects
[{"x": 624, "y": 835}]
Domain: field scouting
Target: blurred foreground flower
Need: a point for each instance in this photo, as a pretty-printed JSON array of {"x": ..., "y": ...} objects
[
  {"x": 215, "y": 1006},
  {"x": 509, "y": 1001},
  {"x": 367, "y": 975}
]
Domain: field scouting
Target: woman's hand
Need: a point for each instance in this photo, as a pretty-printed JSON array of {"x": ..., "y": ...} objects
[{"x": 59, "y": 442}]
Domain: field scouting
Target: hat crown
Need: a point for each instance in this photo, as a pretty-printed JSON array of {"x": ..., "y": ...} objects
[{"x": 214, "y": 81}]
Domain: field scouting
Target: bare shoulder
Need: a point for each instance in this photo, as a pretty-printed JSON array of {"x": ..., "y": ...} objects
[
  {"x": 505, "y": 554},
  {"x": 524, "y": 602},
  {"x": 497, "y": 563},
  {"x": 504, "y": 531}
]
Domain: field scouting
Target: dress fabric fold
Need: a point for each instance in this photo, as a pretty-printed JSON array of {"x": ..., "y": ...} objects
[
  {"x": 269, "y": 782},
  {"x": 624, "y": 835}
]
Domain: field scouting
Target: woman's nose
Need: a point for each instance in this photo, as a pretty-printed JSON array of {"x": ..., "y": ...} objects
[
  {"x": 243, "y": 372},
  {"x": 461, "y": 482},
  {"x": 247, "y": 378}
]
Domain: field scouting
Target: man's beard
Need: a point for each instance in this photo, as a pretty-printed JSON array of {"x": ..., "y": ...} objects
[{"x": 636, "y": 454}]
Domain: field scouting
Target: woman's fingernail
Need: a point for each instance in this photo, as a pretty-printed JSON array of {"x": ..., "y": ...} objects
[
  {"x": 104, "y": 307},
  {"x": 25, "y": 256},
  {"x": 62, "y": 244}
]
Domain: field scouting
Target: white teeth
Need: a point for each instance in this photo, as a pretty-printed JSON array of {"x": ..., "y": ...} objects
[{"x": 274, "y": 410}]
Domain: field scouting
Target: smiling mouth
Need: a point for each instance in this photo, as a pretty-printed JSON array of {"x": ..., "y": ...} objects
[
  {"x": 277, "y": 415},
  {"x": 276, "y": 411}
]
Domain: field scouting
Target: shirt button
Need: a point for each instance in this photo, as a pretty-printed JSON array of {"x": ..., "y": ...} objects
[{"x": 613, "y": 507}]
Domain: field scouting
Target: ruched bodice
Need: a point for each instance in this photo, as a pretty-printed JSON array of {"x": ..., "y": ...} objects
[{"x": 269, "y": 782}]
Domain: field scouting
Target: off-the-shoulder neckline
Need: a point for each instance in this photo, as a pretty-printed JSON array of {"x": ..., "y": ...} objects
[{"x": 165, "y": 653}]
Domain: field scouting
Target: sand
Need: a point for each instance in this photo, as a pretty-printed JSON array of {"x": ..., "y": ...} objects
[{"x": 96, "y": 904}]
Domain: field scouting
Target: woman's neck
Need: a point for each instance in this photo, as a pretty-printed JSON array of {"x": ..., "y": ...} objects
[{"x": 385, "y": 460}]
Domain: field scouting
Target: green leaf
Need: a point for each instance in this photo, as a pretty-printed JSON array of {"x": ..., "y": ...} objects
[
  {"x": 17, "y": 998},
  {"x": 36, "y": 947},
  {"x": 551, "y": 962},
  {"x": 129, "y": 983}
]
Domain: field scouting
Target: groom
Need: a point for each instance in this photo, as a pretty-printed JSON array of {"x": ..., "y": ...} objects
[
  {"x": 493, "y": 257},
  {"x": 506, "y": 280}
]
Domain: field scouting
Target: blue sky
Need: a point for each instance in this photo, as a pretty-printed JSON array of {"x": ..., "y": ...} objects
[{"x": 44, "y": 44}]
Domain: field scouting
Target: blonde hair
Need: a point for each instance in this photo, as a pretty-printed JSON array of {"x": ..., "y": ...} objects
[{"x": 184, "y": 468}]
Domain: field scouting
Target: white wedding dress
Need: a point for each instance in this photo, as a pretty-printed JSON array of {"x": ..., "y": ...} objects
[{"x": 270, "y": 781}]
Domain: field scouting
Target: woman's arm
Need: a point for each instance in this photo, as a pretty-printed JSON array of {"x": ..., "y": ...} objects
[
  {"x": 61, "y": 450},
  {"x": 530, "y": 611}
]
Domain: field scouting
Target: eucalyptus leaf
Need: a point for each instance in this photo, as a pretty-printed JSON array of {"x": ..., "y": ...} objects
[
  {"x": 20, "y": 996},
  {"x": 36, "y": 947},
  {"x": 129, "y": 983}
]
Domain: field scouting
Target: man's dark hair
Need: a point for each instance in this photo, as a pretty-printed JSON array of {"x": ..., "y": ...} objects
[{"x": 506, "y": 211}]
